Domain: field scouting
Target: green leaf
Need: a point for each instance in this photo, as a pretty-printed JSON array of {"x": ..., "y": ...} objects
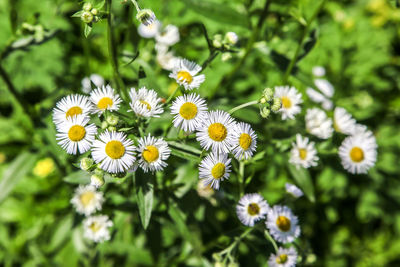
[
  {"x": 17, "y": 170},
  {"x": 78, "y": 177},
  {"x": 182, "y": 146},
  {"x": 62, "y": 232},
  {"x": 145, "y": 195},
  {"x": 218, "y": 12},
  {"x": 308, "y": 46},
  {"x": 303, "y": 180},
  {"x": 88, "y": 29},
  {"x": 77, "y": 14},
  {"x": 183, "y": 154}
]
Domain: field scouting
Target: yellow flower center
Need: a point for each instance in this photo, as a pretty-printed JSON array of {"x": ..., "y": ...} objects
[
  {"x": 281, "y": 259},
  {"x": 73, "y": 112},
  {"x": 244, "y": 141},
  {"x": 253, "y": 209},
  {"x": 150, "y": 154},
  {"x": 185, "y": 76},
  {"x": 76, "y": 133},
  {"x": 218, "y": 170},
  {"x": 188, "y": 111},
  {"x": 286, "y": 102},
  {"x": 86, "y": 198},
  {"x": 217, "y": 132},
  {"x": 302, "y": 153},
  {"x": 356, "y": 154},
  {"x": 283, "y": 223},
  {"x": 95, "y": 227},
  {"x": 104, "y": 103},
  {"x": 146, "y": 104},
  {"x": 115, "y": 149}
]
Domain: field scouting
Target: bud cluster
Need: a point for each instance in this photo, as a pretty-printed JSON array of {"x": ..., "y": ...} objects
[
  {"x": 269, "y": 102},
  {"x": 89, "y": 14}
]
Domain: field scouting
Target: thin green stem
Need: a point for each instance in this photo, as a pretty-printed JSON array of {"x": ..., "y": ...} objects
[
  {"x": 136, "y": 5},
  {"x": 210, "y": 58},
  {"x": 243, "y": 106},
  {"x": 237, "y": 241},
  {"x": 300, "y": 45},
  {"x": 172, "y": 95},
  {"x": 269, "y": 237},
  {"x": 241, "y": 178}
]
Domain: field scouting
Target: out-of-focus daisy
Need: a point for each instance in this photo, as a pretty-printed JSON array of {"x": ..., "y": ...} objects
[
  {"x": 343, "y": 122},
  {"x": 152, "y": 153},
  {"x": 96, "y": 79},
  {"x": 358, "y": 152},
  {"x": 251, "y": 208},
  {"x": 76, "y": 135},
  {"x": 203, "y": 190},
  {"x": 319, "y": 98},
  {"x": 293, "y": 190},
  {"x": 291, "y": 99},
  {"x": 185, "y": 73},
  {"x": 87, "y": 200},
  {"x": 168, "y": 36},
  {"x": 70, "y": 106},
  {"x": 303, "y": 153},
  {"x": 149, "y": 31},
  {"x": 145, "y": 102},
  {"x": 318, "y": 71},
  {"x": 231, "y": 38},
  {"x": 318, "y": 124},
  {"x": 190, "y": 111},
  {"x": 104, "y": 98},
  {"x": 284, "y": 257},
  {"x": 245, "y": 141},
  {"x": 282, "y": 224},
  {"x": 214, "y": 168},
  {"x": 325, "y": 87},
  {"x": 114, "y": 151},
  {"x": 96, "y": 228},
  {"x": 166, "y": 59},
  {"x": 217, "y": 132}
]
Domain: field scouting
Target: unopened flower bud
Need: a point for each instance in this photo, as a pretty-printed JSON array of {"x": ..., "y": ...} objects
[
  {"x": 112, "y": 128},
  {"x": 217, "y": 43},
  {"x": 86, "y": 163},
  {"x": 87, "y": 6},
  {"x": 87, "y": 17},
  {"x": 112, "y": 119},
  {"x": 146, "y": 17},
  {"x": 268, "y": 93},
  {"x": 226, "y": 56},
  {"x": 263, "y": 100},
  {"x": 231, "y": 38},
  {"x": 97, "y": 180},
  {"x": 94, "y": 11},
  {"x": 277, "y": 104},
  {"x": 265, "y": 112},
  {"x": 104, "y": 125}
]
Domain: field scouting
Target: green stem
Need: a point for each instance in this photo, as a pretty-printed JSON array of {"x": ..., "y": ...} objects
[
  {"x": 237, "y": 241},
  {"x": 241, "y": 178},
  {"x": 210, "y": 58},
  {"x": 172, "y": 95},
  {"x": 300, "y": 45},
  {"x": 243, "y": 106},
  {"x": 269, "y": 237},
  {"x": 136, "y": 5}
]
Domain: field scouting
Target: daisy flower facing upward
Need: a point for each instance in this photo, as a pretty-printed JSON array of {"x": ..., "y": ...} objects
[
  {"x": 291, "y": 99},
  {"x": 251, "y": 208},
  {"x": 87, "y": 200},
  {"x": 245, "y": 141},
  {"x": 97, "y": 228},
  {"x": 75, "y": 135},
  {"x": 70, "y": 106},
  {"x": 282, "y": 224},
  {"x": 303, "y": 153},
  {"x": 152, "y": 153},
  {"x": 114, "y": 151},
  {"x": 145, "y": 102},
  {"x": 104, "y": 98},
  {"x": 217, "y": 132},
  {"x": 190, "y": 111},
  {"x": 214, "y": 168},
  {"x": 184, "y": 72},
  {"x": 285, "y": 257},
  {"x": 318, "y": 124},
  {"x": 358, "y": 152},
  {"x": 343, "y": 122}
]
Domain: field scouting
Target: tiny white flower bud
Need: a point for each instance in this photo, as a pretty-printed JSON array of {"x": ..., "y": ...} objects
[
  {"x": 87, "y": 17},
  {"x": 146, "y": 17},
  {"x": 112, "y": 120},
  {"x": 268, "y": 93},
  {"x": 277, "y": 104},
  {"x": 263, "y": 100},
  {"x": 94, "y": 11},
  {"x": 97, "y": 180},
  {"x": 265, "y": 112},
  {"x": 231, "y": 38},
  {"x": 104, "y": 125},
  {"x": 86, "y": 163},
  {"x": 87, "y": 6},
  {"x": 226, "y": 56},
  {"x": 112, "y": 128}
]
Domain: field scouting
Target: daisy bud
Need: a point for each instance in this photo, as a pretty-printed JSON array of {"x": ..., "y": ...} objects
[
  {"x": 94, "y": 11},
  {"x": 146, "y": 17},
  {"x": 226, "y": 56},
  {"x": 277, "y": 104},
  {"x": 268, "y": 93},
  {"x": 263, "y": 100},
  {"x": 87, "y": 6},
  {"x": 217, "y": 43},
  {"x": 104, "y": 125},
  {"x": 112, "y": 128},
  {"x": 97, "y": 180},
  {"x": 265, "y": 113},
  {"x": 86, "y": 163},
  {"x": 112, "y": 120},
  {"x": 87, "y": 17},
  {"x": 231, "y": 38}
]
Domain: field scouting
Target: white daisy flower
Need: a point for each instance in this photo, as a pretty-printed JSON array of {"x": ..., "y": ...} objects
[
  {"x": 149, "y": 31},
  {"x": 217, "y": 132},
  {"x": 145, "y": 102},
  {"x": 203, "y": 190},
  {"x": 75, "y": 135},
  {"x": 318, "y": 71},
  {"x": 70, "y": 106},
  {"x": 318, "y": 124},
  {"x": 282, "y": 224},
  {"x": 358, "y": 153},
  {"x": 168, "y": 36},
  {"x": 214, "y": 168},
  {"x": 303, "y": 153},
  {"x": 325, "y": 87},
  {"x": 96, "y": 79},
  {"x": 251, "y": 208},
  {"x": 114, "y": 151},
  {"x": 184, "y": 72},
  {"x": 87, "y": 200},
  {"x": 104, "y": 98},
  {"x": 319, "y": 98},
  {"x": 293, "y": 190},
  {"x": 190, "y": 111},
  {"x": 166, "y": 59},
  {"x": 245, "y": 141},
  {"x": 152, "y": 153},
  {"x": 97, "y": 228},
  {"x": 285, "y": 257},
  {"x": 343, "y": 122},
  {"x": 291, "y": 99}
]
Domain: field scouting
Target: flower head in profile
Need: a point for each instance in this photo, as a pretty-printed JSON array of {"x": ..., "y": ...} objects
[
  {"x": 150, "y": 30},
  {"x": 251, "y": 208},
  {"x": 71, "y": 106},
  {"x": 104, "y": 98},
  {"x": 284, "y": 257},
  {"x": 146, "y": 17},
  {"x": 291, "y": 100},
  {"x": 87, "y": 82},
  {"x": 282, "y": 224},
  {"x": 214, "y": 168},
  {"x": 152, "y": 153},
  {"x": 318, "y": 123},
  {"x": 245, "y": 141},
  {"x": 293, "y": 190},
  {"x": 87, "y": 200},
  {"x": 168, "y": 36},
  {"x": 303, "y": 153},
  {"x": 97, "y": 228},
  {"x": 343, "y": 122},
  {"x": 145, "y": 103},
  {"x": 185, "y": 73}
]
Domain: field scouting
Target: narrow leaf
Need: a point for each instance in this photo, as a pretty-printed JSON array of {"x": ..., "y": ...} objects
[
  {"x": 145, "y": 195},
  {"x": 79, "y": 177},
  {"x": 303, "y": 180},
  {"x": 88, "y": 29}
]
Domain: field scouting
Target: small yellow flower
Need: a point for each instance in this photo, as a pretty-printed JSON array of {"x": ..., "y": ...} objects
[{"x": 44, "y": 167}]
